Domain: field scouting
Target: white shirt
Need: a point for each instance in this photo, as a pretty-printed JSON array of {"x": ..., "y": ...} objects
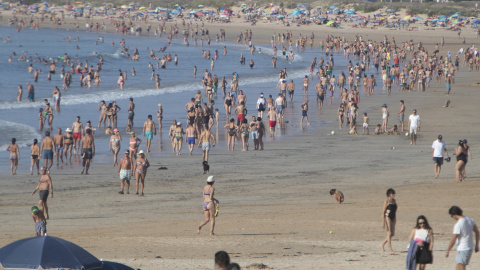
[
  {"x": 261, "y": 101},
  {"x": 464, "y": 229},
  {"x": 414, "y": 120},
  {"x": 438, "y": 148}
]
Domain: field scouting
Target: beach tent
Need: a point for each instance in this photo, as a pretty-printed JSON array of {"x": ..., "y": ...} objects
[
  {"x": 46, "y": 252},
  {"x": 330, "y": 22},
  {"x": 390, "y": 10},
  {"x": 296, "y": 12}
]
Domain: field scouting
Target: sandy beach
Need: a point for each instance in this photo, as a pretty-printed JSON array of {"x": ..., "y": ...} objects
[{"x": 275, "y": 208}]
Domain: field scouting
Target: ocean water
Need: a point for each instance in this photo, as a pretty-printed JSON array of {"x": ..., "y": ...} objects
[{"x": 20, "y": 119}]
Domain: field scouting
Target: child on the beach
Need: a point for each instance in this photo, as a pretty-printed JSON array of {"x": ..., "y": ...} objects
[
  {"x": 40, "y": 221},
  {"x": 393, "y": 130},
  {"x": 337, "y": 194},
  {"x": 366, "y": 120},
  {"x": 378, "y": 129},
  {"x": 217, "y": 116}
]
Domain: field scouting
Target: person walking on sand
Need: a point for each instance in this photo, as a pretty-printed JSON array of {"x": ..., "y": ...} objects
[
  {"x": 414, "y": 124},
  {"x": 304, "y": 107},
  {"x": 422, "y": 233},
  {"x": 88, "y": 150},
  {"x": 209, "y": 205},
  {"x": 389, "y": 218},
  {"x": 401, "y": 115},
  {"x": 35, "y": 152},
  {"x": 141, "y": 171},
  {"x": 77, "y": 128},
  {"x": 40, "y": 221},
  {"x": 44, "y": 187},
  {"x": 114, "y": 145},
  {"x": 14, "y": 156},
  {"x": 149, "y": 130},
  {"x": 463, "y": 236},
  {"x": 46, "y": 150},
  {"x": 205, "y": 138},
  {"x": 125, "y": 171},
  {"x": 438, "y": 147},
  {"x": 58, "y": 140}
]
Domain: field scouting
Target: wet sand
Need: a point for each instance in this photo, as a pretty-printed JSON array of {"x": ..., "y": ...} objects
[{"x": 275, "y": 204}]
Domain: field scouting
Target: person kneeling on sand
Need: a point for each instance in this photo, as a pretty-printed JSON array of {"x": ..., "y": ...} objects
[{"x": 337, "y": 194}]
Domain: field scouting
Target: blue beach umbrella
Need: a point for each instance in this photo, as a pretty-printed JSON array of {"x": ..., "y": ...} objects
[
  {"x": 108, "y": 265},
  {"x": 333, "y": 7},
  {"x": 46, "y": 252},
  {"x": 296, "y": 12},
  {"x": 443, "y": 17},
  {"x": 390, "y": 10}
]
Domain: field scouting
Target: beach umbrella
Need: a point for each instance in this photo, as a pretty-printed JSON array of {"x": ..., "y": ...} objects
[
  {"x": 200, "y": 6},
  {"x": 443, "y": 17},
  {"x": 175, "y": 11},
  {"x": 460, "y": 23},
  {"x": 390, "y": 10},
  {"x": 435, "y": 20},
  {"x": 46, "y": 252},
  {"x": 407, "y": 17},
  {"x": 108, "y": 265},
  {"x": 476, "y": 21},
  {"x": 333, "y": 7},
  {"x": 419, "y": 18},
  {"x": 330, "y": 22}
]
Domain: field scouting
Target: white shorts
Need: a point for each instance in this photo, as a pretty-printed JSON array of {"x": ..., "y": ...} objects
[
  {"x": 413, "y": 130},
  {"x": 125, "y": 174},
  {"x": 365, "y": 125},
  {"x": 206, "y": 146},
  {"x": 463, "y": 256}
]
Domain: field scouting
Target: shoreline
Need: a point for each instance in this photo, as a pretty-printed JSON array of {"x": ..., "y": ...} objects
[{"x": 275, "y": 206}]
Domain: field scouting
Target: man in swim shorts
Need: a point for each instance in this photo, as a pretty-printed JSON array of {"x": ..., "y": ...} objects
[
  {"x": 58, "y": 141},
  {"x": 149, "y": 130},
  {"x": 131, "y": 113},
  {"x": 205, "y": 138},
  {"x": 463, "y": 236},
  {"x": 125, "y": 171},
  {"x": 77, "y": 128},
  {"x": 280, "y": 104},
  {"x": 44, "y": 187},
  {"x": 88, "y": 150},
  {"x": 438, "y": 147},
  {"x": 190, "y": 133},
  {"x": 46, "y": 151},
  {"x": 272, "y": 120},
  {"x": 414, "y": 124}
]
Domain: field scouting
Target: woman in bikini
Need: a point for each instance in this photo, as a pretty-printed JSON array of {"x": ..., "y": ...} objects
[
  {"x": 41, "y": 119},
  {"x": 102, "y": 107},
  {"x": 245, "y": 132},
  {"x": 179, "y": 137},
  {"x": 14, "y": 156},
  {"x": 209, "y": 204},
  {"x": 142, "y": 165},
  {"x": 68, "y": 144},
  {"x": 389, "y": 218},
  {"x": 231, "y": 133},
  {"x": 114, "y": 145},
  {"x": 133, "y": 144},
  {"x": 462, "y": 153},
  {"x": 109, "y": 114},
  {"x": 34, "y": 151}
]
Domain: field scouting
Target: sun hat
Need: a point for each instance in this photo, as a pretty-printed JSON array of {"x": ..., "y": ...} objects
[
  {"x": 179, "y": 123},
  {"x": 210, "y": 179},
  {"x": 140, "y": 152},
  {"x": 68, "y": 130}
]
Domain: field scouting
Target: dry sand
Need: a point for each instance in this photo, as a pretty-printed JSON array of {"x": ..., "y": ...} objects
[{"x": 275, "y": 206}]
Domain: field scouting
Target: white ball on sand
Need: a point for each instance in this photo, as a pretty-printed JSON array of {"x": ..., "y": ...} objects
[
  {"x": 333, "y": 132},
  {"x": 331, "y": 232},
  {"x": 406, "y": 134}
]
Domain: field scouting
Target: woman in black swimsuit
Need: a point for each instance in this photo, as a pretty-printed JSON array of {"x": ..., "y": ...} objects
[
  {"x": 231, "y": 133},
  {"x": 389, "y": 218},
  {"x": 461, "y": 152}
]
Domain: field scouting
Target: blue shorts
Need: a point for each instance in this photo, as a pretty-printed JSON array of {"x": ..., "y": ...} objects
[
  {"x": 149, "y": 134},
  {"x": 280, "y": 109},
  {"x": 304, "y": 113},
  {"x": 191, "y": 140},
  {"x": 438, "y": 160},
  {"x": 47, "y": 154},
  {"x": 254, "y": 135}
]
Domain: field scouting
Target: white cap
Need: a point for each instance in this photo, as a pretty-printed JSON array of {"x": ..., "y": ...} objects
[
  {"x": 210, "y": 179},
  {"x": 140, "y": 152},
  {"x": 68, "y": 130},
  {"x": 179, "y": 123}
]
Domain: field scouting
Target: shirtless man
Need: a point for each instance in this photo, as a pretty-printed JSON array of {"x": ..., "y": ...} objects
[
  {"x": 44, "y": 186},
  {"x": 160, "y": 117},
  {"x": 179, "y": 137},
  {"x": 254, "y": 132},
  {"x": 14, "y": 156},
  {"x": 261, "y": 132},
  {"x": 58, "y": 141},
  {"x": 125, "y": 171},
  {"x": 291, "y": 89},
  {"x": 46, "y": 150},
  {"x": 242, "y": 97},
  {"x": 189, "y": 105},
  {"x": 240, "y": 111},
  {"x": 320, "y": 95},
  {"x": 88, "y": 150},
  {"x": 191, "y": 134},
  {"x": 280, "y": 105},
  {"x": 131, "y": 113},
  {"x": 77, "y": 128},
  {"x": 149, "y": 130},
  {"x": 401, "y": 115},
  {"x": 304, "y": 107},
  {"x": 205, "y": 138},
  {"x": 272, "y": 120}
]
